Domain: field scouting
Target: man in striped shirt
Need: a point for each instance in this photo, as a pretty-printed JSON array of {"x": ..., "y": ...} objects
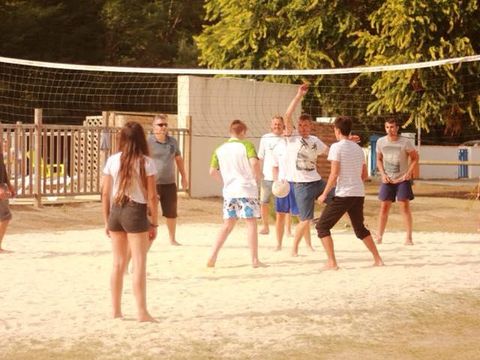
[{"x": 348, "y": 171}]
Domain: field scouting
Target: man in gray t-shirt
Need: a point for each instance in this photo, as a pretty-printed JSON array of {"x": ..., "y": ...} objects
[
  {"x": 393, "y": 153},
  {"x": 166, "y": 154}
]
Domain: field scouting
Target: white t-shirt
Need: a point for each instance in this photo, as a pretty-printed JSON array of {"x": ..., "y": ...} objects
[
  {"x": 232, "y": 159},
  {"x": 395, "y": 155},
  {"x": 302, "y": 156},
  {"x": 352, "y": 159},
  {"x": 112, "y": 167},
  {"x": 280, "y": 160},
  {"x": 268, "y": 143}
]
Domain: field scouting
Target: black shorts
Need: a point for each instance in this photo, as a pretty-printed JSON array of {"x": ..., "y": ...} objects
[
  {"x": 168, "y": 199},
  {"x": 131, "y": 218}
]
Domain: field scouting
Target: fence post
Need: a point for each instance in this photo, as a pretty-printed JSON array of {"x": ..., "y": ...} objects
[
  {"x": 188, "y": 152},
  {"x": 463, "y": 169},
  {"x": 38, "y": 157}
]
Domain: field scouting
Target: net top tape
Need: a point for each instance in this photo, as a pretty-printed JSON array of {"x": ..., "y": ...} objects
[{"x": 284, "y": 72}]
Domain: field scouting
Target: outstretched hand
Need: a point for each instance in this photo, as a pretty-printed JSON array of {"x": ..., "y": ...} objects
[{"x": 303, "y": 89}]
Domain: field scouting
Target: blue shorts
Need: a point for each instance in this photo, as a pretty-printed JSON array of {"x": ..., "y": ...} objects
[
  {"x": 266, "y": 191},
  {"x": 288, "y": 204},
  {"x": 243, "y": 208},
  {"x": 400, "y": 192},
  {"x": 306, "y": 193}
]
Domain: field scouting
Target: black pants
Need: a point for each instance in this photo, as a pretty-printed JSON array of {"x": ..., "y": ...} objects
[{"x": 353, "y": 205}]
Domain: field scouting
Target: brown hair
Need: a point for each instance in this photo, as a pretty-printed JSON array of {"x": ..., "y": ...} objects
[
  {"x": 344, "y": 124},
  {"x": 134, "y": 148},
  {"x": 392, "y": 120},
  {"x": 237, "y": 127},
  {"x": 305, "y": 117}
]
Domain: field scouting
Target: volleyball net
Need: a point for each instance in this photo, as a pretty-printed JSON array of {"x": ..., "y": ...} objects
[{"x": 420, "y": 94}]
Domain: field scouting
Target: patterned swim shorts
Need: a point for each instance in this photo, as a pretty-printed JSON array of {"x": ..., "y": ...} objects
[{"x": 241, "y": 208}]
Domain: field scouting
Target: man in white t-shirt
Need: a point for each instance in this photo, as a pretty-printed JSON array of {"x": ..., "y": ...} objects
[
  {"x": 268, "y": 143},
  {"x": 302, "y": 152},
  {"x": 236, "y": 164},
  {"x": 348, "y": 171},
  {"x": 393, "y": 153}
]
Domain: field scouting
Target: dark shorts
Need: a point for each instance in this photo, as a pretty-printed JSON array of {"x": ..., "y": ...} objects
[
  {"x": 288, "y": 204},
  {"x": 130, "y": 218},
  {"x": 306, "y": 193},
  {"x": 400, "y": 192},
  {"x": 5, "y": 213},
  {"x": 168, "y": 199},
  {"x": 353, "y": 206}
]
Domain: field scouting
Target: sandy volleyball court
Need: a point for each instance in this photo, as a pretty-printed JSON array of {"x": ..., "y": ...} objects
[{"x": 424, "y": 304}]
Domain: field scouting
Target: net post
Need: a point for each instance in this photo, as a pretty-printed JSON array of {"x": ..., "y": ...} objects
[{"x": 38, "y": 119}]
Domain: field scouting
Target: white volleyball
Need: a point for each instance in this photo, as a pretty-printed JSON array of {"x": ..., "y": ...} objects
[{"x": 280, "y": 188}]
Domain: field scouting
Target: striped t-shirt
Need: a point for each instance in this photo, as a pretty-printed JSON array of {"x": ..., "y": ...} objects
[
  {"x": 352, "y": 159},
  {"x": 232, "y": 159}
]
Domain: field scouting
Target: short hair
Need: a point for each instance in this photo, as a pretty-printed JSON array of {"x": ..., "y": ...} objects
[
  {"x": 392, "y": 120},
  {"x": 163, "y": 117},
  {"x": 344, "y": 124},
  {"x": 279, "y": 117},
  {"x": 305, "y": 117},
  {"x": 237, "y": 127}
]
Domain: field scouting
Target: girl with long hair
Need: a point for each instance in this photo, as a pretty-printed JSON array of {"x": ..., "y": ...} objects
[{"x": 128, "y": 198}]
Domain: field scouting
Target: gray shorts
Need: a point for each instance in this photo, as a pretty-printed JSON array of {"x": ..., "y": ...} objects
[
  {"x": 266, "y": 191},
  {"x": 5, "y": 213},
  {"x": 130, "y": 218}
]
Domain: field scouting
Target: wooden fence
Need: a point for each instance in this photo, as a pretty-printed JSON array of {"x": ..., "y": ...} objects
[{"x": 63, "y": 160}]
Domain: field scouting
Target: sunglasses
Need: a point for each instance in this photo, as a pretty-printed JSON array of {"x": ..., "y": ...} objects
[{"x": 162, "y": 125}]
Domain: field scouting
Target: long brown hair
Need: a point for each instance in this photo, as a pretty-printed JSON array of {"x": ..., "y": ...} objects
[{"x": 134, "y": 148}]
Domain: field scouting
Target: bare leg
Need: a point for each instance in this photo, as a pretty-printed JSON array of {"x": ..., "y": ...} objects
[
  {"x": 369, "y": 243},
  {"x": 119, "y": 250},
  {"x": 225, "y": 230},
  {"x": 3, "y": 230},
  {"x": 299, "y": 232},
  {"x": 172, "y": 228},
  {"x": 407, "y": 220},
  {"x": 279, "y": 228},
  {"x": 308, "y": 237},
  {"x": 288, "y": 225},
  {"x": 327, "y": 243},
  {"x": 253, "y": 242},
  {"x": 265, "y": 214},
  {"x": 138, "y": 245},
  {"x": 382, "y": 219}
]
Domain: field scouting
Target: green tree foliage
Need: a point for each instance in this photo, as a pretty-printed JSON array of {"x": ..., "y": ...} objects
[
  {"x": 420, "y": 30},
  {"x": 152, "y": 33},
  {"x": 309, "y": 34},
  {"x": 61, "y": 31},
  {"x": 108, "y": 32}
]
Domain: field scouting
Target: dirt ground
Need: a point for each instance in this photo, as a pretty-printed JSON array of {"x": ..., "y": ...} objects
[{"x": 447, "y": 206}]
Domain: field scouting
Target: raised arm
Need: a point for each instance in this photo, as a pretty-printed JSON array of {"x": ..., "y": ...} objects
[{"x": 302, "y": 90}]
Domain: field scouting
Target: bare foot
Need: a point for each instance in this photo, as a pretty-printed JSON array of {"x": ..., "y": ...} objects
[
  {"x": 117, "y": 315},
  {"x": 175, "y": 243},
  {"x": 211, "y": 263},
  {"x": 294, "y": 253},
  {"x": 408, "y": 242},
  {"x": 330, "y": 266},
  {"x": 146, "y": 317},
  {"x": 4, "y": 251},
  {"x": 378, "y": 262},
  {"x": 289, "y": 234},
  {"x": 259, "y": 264},
  {"x": 311, "y": 248},
  {"x": 263, "y": 232},
  {"x": 278, "y": 248}
]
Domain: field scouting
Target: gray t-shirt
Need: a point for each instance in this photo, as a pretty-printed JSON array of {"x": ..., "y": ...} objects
[
  {"x": 395, "y": 155},
  {"x": 163, "y": 154}
]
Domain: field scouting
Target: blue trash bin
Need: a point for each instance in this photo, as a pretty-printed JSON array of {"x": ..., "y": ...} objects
[
  {"x": 462, "y": 169},
  {"x": 373, "y": 153}
]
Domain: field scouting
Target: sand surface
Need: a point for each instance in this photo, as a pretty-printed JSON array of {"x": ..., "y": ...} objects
[{"x": 424, "y": 304}]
